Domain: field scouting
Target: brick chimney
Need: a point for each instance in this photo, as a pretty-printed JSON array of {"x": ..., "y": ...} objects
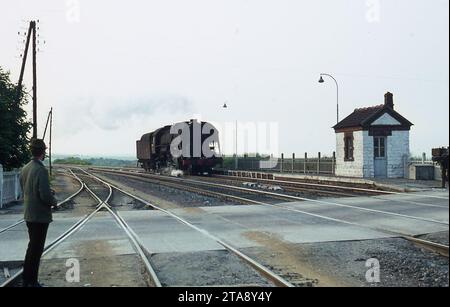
[{"x": 389, "y": 100}]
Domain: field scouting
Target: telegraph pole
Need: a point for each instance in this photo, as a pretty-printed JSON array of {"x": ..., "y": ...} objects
[
  {"x": 33, "y": 27},
  {"x": 49, "y": 119},
  {"x": 50, "y": 142},
  {"x": 24, "y": 61},
  {"x": 30, "y": 36}
]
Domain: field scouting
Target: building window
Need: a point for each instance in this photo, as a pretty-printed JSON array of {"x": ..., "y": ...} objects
[
  {"x": 379, "y": 148},
  {"x": 348, "y": 147}
]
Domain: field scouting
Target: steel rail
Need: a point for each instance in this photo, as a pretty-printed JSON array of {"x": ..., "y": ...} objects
[
  {"x": 63, "y": 236},
  {"x": 296, "y": 198},
  {"x": 439, "y": 248},
  {"x": 286, "y": 187},
  {"x": 78, "y": 225},
  {"x": 277, "y": 280},
  {"x": 290, "y": 186},
  {"x": 329, "y": 203},
  {"x": 337, "y": 187},
  {"x": 308, "y": 184},
  {"x": 209, "y": 193},
  {"x": 297, "y": 183},
  {"x": 58, "y": 205},
  {"x": 137, "y": 245},
  {"x": 381, "y": 192},
  {"x": 435, "y": 247},
  {"x": 205, "y": 192},
  {"x": 55, "y": 243},
  {"x": 131, "y": 235}
]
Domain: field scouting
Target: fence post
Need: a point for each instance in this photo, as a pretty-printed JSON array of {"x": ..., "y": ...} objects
[
  {"x": 333, "y": 163},
  {"x": 293, "y": 162},
  {"x": 405, "y": 167},
  {"x": 318, "y": 164},
  {"x": 18, "y": 189},
  {"x": 1, "y": 186},
  {"x": 281, "y": 162},
  {"x": 304, "y": 163}
]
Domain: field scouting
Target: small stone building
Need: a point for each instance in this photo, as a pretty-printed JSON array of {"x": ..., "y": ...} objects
[{"x": 373, "y": 142}]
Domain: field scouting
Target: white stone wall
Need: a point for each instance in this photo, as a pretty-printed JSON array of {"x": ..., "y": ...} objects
[
  {"x": 350, "y": 168},
  {"x": 397, "y": 148},
  {"x": 363, "y": 165},
  {"x": 368, "y": 167}
]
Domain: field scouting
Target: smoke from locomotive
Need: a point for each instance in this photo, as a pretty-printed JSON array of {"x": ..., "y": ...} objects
[{"x": 192, "y": 147}]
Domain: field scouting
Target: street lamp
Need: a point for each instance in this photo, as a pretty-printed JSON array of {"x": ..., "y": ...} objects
[
  {"x": 225, "y": 106},
  {"x": 321, "y": 80}
]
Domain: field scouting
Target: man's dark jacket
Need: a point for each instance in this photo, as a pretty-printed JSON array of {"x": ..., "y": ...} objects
[{"x": 38, "y": 198}]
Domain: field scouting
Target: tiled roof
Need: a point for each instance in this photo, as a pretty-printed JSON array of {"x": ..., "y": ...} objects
[{"x": 358, "y": 117}]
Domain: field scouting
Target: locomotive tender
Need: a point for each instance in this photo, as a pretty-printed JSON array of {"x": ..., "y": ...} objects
[{"x": 192, "y": 147}]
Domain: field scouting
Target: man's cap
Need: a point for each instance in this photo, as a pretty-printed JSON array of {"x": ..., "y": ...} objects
[{"x": 38, "y": 144}]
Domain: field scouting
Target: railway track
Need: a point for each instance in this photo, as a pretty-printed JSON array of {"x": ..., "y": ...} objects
[
  {"x": 327, "y": 189},
  {"x": 95, "y": 186},
  {"x": 245, "y": 196},
  {"x": 189, "y": 184},
  {"x": 433, "y": 246},
  {"x": 268, "y": 274},
  {"x": 102, "y": 205},
  {"x": 135, "y": 240},
  {"x": 60, "y": 204},
  {"x": 299, "y": 187},
  {"x": 291, "y": 182}
]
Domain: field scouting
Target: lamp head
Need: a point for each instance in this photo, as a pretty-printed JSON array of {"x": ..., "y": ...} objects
[{"x": 321, "y": 80}]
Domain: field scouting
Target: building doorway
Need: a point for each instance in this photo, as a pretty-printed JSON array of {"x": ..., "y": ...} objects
[{"x": 380, "y": 157}]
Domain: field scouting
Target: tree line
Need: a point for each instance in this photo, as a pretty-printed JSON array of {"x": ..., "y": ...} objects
[{"x": 14, "y": 125}]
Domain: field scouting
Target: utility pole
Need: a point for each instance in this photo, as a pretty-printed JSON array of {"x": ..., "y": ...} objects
[
  {"x": 24, "y": 61},
  {"x": 49, "y": 119},
  {"x": 236, "y": 161},
  {"x": 31, "y": 35},
  {"x": 50, "y": 142},
  {"x": 33, "y": 26}
]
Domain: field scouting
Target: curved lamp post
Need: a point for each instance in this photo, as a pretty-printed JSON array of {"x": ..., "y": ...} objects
[
  {"x": 321, "y": 80},
  {"x": 225, "y": 106}
]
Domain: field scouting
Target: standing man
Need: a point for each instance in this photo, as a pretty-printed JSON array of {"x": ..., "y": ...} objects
[{"x": 38, "y": 203}]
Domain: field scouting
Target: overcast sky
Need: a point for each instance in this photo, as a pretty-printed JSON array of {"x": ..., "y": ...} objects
[{"x": 113, "y": 70}]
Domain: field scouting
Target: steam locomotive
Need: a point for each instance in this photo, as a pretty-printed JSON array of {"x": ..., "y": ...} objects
[{"x": 192, "y": 147}]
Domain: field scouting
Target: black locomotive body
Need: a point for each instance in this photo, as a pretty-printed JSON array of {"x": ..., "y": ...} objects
[{"x": 155, "y": 150}]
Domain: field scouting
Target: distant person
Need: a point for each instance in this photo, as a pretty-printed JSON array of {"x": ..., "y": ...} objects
[{"x": 38, "y": 203}]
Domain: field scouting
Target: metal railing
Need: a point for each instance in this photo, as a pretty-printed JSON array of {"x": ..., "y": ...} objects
[
  {"x": 305, "y": 165},
  {"x": 412, "y": 162},
  {"x": 9, "y": 186}
]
